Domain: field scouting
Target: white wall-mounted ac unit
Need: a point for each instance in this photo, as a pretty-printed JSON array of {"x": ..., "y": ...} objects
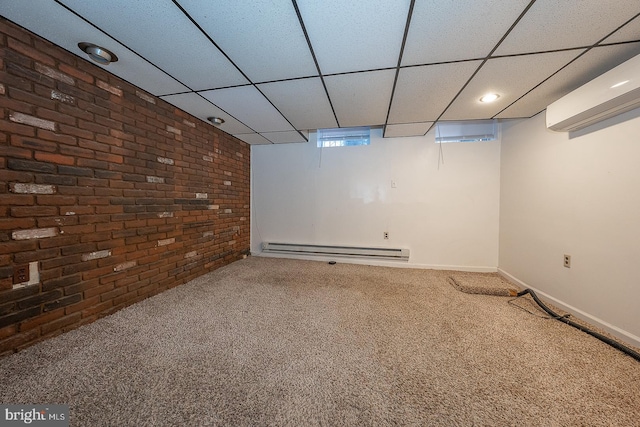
[{"x": 613, "y": 93}]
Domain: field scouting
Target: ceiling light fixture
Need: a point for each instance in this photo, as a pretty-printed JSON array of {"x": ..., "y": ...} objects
[
  {"x": 489, "y": 97},
  {"x": 216, "y": 120},
  {"x": 619, "y": 84},
  {"x": 98, "y": 53}
]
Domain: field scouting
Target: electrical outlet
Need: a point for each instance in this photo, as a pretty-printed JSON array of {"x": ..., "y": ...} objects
[
  {"x": 567, "y": 261},
  {"x": 386, "y": 235},
  {"x": 21, "y": 274}
]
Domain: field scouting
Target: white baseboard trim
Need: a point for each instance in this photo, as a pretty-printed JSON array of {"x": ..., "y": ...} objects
[
  {"x": 378, "y": 262},
  {"x": 623, "y": 335}
]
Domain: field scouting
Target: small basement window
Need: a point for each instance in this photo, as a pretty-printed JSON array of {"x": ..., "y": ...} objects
[
  {"x": 467, "y": 131},
  {"x": 344, "y": 137}
]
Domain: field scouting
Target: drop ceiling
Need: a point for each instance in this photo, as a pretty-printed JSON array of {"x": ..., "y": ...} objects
[{"x": 276, "y": 69}]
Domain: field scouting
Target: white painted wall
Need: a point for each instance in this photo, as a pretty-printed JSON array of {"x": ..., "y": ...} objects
[
  {"x": 575, "y": 194},
  {"x": 446, "y": 216}
]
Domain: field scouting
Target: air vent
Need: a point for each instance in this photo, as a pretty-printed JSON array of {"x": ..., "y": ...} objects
[{"x": 345, "y": 251}]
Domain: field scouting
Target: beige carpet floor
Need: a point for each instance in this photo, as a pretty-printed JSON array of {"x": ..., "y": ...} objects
[
  {"x": 281, "y": 342},
  {"x": 486, "y": 284}
]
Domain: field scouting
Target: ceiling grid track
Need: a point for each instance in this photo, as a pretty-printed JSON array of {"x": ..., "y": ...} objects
[
  {"x": 395, "y": 79},
  {"x": 315, "y": 59},
  {"x": 524, "y": 12},
  {"x": 193, "y": 21},
  {"x": 291, "y": 67},
  {"x": 122, "y": 43},
  {"x": 144, "y": 59},
  {"x": 587, "y": 49}
]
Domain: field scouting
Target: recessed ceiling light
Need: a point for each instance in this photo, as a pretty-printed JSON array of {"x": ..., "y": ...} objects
[
  {"x": 216, "y": 120},
  {"x": 98, "y": 54},
  {"x": 489, "y": 97},
  {"x": 619, "y": 84}
]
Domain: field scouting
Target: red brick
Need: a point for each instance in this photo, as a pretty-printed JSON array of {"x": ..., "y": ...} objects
[
  {"x": 8, "y": 331},
  {"x": 58, "y": 241},
  {"x": 93, "y": 164},
  {"x": 16, "y": 176},
  {"x": 16, "y": 128},
  {"x": 53, "y": 51},
  {"x": 82, "y": 305},
  {"x": 93, "y": 127},
  {"x": 56, "y": 221},
  {"x": 16, "y": 199},
  {"x": 54, "y": 158},
  {"x": 55, "y": 200},
  {"x": 18, "y": 246},
  {"x": 14, "y": 31},
  {"x": 31, "y": 98},
  {"x": 57, "y": 137},
  {"x": 75, "y": 132},
  {"x": 79, "y": 229},
  {"x": 76, "y": 210},
  {"x": 15, "y": 342},
  {"x": 96, "y": 237},
  {"x": 29, "y": 51},
  {"x": 68, "y": 282},
  {"x": 99, "y": 203},
  {"x": 98, "y": 308},
  {"x": 111, "y": 158},
  {"x": 73, "y": 111},
  {"x": 76, "y": 191},
  {"x": 40, "y": 320},
  {"x": 18, "y": 153},
  {"x": 31, "y": 211},
  {"x": 60, "y": 323},
  {"x": 72, "y": 71},
  {"x": 15, "y": 223},
  {"x": 77, "y": 152},
  {"x": 92, "y": 145},
  {"x": 113, "y": 293},
  {"x": 60, "y": 261},
  {"x": 55, "y": 117},
  {"x": 110, "y": 123},
  {"x": 98, "y": 272}
]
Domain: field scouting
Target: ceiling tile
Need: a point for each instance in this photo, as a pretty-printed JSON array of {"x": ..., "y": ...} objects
[
  {"x": 160, "y": 32},
  {"x": 361, "y": 99},
  {"x": 407, "y": 129},
  {"x": 355, "y": 35},
  {"x": 165, "y": 47},
  {"x": 440, "y": 30},
  {"x": 422, "y": 93},
  {"x": 595, "y": 62},
  {"x": 56, "y": 24},
  {"x": 248, "y": 105},
  {"x": 552, "y": 24},
  {"x": 271, "y": 45},
  {"x": 629, "y": 32},
  {"x": 201, "y": 108},
  {"x": 510, "y": 77},
  {"x": 304, "y": 102},
  {"x": 283, "y": 137},
  {"x": 253, "y": 139}
]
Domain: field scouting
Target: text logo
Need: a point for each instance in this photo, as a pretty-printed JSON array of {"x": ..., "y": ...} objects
[{"x": 34, "y": 415}]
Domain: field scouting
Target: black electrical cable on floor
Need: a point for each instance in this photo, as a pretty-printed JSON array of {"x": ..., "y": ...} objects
[{"x": 564, "y": 319}]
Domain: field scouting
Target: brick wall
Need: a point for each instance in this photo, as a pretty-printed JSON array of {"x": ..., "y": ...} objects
[{"x": 107, "y": 195}]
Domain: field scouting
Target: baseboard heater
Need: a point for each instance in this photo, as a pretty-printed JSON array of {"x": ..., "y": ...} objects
[{"x": 344, "y": 251}]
